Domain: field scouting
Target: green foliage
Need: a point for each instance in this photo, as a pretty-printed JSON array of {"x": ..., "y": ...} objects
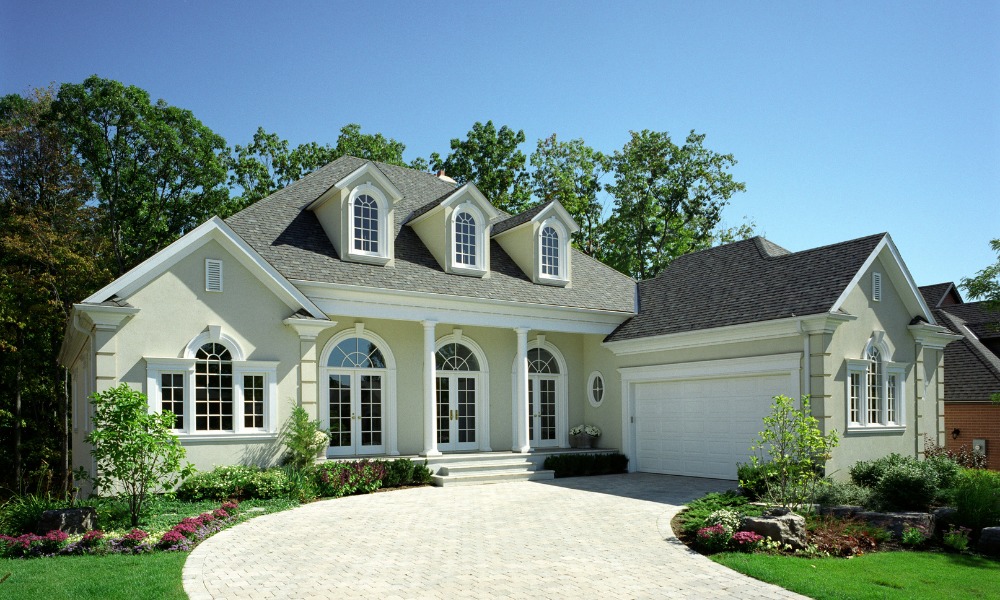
[
  {"x": 977, "y": 498},
  {"x": 796, "y": 450},
  {"x": 241, "y": 482},
  {"x": 20, "y": 514},
  {"x": 571, "y": 173},
  {"x": 398, "y": 472},
  {"x": 986, "y": 283},
  {"x": 956, "y": 538},
  {"x": 913, "y": 537},
  {"x": 965, "y": 456},
  {"x": 574, "y": 465},
  {"x": 867, "y": 473},
  {"x": 335, "y": 479},
  {"x": 698, "y": 511},
  {"x": 490, "y": 158},
  {"x": 112, "y": 577},
  {"x": 668, "y": 201},
  {"x": 837, "y": 493},
  {"x": 134, "y": 450},
  {"x": 905, "y": 483},
  {"x": 303, "y": 438},
  {"x": 157, "y": 171}
]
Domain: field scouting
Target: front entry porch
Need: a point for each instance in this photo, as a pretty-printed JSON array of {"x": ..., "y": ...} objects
[{"x": 479, "y": 468}]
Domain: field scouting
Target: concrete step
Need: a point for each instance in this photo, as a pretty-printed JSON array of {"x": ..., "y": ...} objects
[
  {"x": 484, "y": 478},
  {"x": 460, "y": 468}
]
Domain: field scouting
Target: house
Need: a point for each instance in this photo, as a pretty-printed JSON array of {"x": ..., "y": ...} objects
[
  {"x": 413, "y": 318},
  {"x": 971, "y": 419}
]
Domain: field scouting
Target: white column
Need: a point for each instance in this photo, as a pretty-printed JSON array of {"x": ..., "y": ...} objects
[
  {"x": 430, "y": 409},
  {"x": 521, "y": 441}
]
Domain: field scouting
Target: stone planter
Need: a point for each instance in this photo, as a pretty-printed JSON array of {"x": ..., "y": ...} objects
[{"x": 582, "y": 440}]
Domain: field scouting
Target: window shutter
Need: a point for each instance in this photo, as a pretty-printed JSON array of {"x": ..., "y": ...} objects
[
  {"x": 876, "y": 287},
  {"x": 213, "y": 275}
]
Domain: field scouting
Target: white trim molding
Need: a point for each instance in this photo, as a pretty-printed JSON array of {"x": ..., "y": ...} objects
[{"x": 482, "y": 377}]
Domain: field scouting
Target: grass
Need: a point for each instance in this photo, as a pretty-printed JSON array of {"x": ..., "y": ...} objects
[
  {"x": 111, "y": 577},
  {"x": 882, "y": 575}
]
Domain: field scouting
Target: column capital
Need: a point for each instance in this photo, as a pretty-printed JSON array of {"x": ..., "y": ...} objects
[
  {"x": 429, "y": 324},
  {"x": 522, "y": 330}
]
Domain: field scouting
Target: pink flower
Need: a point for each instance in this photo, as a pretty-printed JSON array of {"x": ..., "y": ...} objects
[{"x": 220, "y": 513}]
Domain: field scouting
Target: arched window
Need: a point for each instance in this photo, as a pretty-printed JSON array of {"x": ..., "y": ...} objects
[
  {"x": 874, "y": 391},
  {"x": 550, "y": 252},
  {"x": 356, "y": 353},
  {"x": 459, "y": 390},
  {"x": 541, "y": 360},
  {"x": 456, "y": 357},
  {"x": 874, "y": 387},
  {"x": 366, "y": 224},
  {"x": 465, "y": 239},
  {"x": 213, "y": 388}
]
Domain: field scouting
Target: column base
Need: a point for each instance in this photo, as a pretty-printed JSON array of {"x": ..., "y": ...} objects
[{"x": 431, "y": 453}]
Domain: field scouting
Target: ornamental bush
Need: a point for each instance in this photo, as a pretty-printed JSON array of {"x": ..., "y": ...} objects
[
  {"x": 713, "y": 538},
  {"x": 336, "y": 479},
  {"x": 977, "y": 498},
  {"x": 905, "y": 483},
  {"x": 240, "y": 482},
  {"x": 303, "y": 438}
]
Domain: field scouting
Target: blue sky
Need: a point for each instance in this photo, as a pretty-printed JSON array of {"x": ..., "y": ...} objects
[{"x": 847, "y": 118}]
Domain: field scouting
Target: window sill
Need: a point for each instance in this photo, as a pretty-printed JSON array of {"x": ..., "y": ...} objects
[
  {"x": 876, "y": 428},
  {"x": 371, "y": 259},
  {"x": 467, "y": 270},
  {"x": 553, "y": 281},
  {"x": 255, "y": 436}
]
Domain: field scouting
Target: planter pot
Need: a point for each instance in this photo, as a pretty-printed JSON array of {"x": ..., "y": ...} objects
[{"x": 582, "y": 441}]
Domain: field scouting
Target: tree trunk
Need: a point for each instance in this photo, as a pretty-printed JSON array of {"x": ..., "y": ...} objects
[{"x": 18, "y": 479}]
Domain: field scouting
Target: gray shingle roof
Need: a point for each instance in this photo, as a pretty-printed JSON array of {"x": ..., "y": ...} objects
[
  {"x": 292, "y": 240},
  {"x": 935, "y": 294},
  {"x": 972, "y": 371},
  {"x": 503, "y": 225},
  {"x": 744, "y": 282}
]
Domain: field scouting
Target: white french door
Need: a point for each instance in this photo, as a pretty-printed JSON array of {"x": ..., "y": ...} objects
[
  {"x": 456, "y": 398},
  {"x": 542, "y": 411},
  {"x": 355, "y": 421}
]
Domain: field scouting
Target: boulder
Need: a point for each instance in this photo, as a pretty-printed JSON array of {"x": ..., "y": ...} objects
[
  {"x": 780, "y": 525},
  {"x": 989, "y": 541},
  {"x": 943, "y": 517},
  {"x": 896, "y": 522},
  {"x": 841, "y": 511},
  {"x": 70, "y": 520}
]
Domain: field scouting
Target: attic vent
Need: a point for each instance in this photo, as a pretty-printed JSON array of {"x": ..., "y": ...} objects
[
  {"x": 876, "y": 287},
  {"x": 213, "y": 275}
]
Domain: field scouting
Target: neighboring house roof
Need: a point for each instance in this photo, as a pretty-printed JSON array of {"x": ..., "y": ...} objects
[
  {"x": 940, "y": 294},
  {"x": 972, "y": 371},
  {"x": 292, "y": 240},
  {"x": 983, "y": 322},
  {"x": 745, "y": 282}
]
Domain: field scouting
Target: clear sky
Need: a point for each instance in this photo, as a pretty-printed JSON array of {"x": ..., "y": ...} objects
[{"x": 847, "y": 118}]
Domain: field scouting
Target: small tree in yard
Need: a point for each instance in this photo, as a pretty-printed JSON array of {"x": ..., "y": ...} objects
[
  {"x": 794, "y": 449},
  {"x": 134, "y": 449},
  {"x": 304, "y": 439}
]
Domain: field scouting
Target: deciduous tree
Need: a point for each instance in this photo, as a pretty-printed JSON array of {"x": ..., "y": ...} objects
[{"x": 985, "y": 284}]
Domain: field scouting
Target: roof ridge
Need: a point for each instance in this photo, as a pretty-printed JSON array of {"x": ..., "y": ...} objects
[{"x": 983, "y": 355}]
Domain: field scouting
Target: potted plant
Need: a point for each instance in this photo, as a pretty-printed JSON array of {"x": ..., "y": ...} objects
[{"x": 584, "y": 436}]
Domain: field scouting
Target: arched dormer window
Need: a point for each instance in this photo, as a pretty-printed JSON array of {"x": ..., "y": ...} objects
[
  {"x": 368, "y": 229},
  {"x": 875, "y": 389},
  {"x": 550, "y": 252},
  {"x": 467, "y": 240}
]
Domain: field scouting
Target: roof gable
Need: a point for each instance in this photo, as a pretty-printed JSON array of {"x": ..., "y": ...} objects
[{"x": 214, "y": 229}]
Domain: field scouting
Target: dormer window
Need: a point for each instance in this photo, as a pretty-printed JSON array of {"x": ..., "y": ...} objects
[
  {"x": 366, "y": 224},
  {"x": 465, "y": 239},
  {"x": 550, "y": 252}
]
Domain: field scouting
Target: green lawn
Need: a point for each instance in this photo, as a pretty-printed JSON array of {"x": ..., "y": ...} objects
[
  {"x": 889, "y": 575},
  {"x": 111, "y": 577}
]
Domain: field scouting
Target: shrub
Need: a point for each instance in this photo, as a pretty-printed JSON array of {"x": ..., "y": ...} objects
[
  {"x": 714, "y": 538},
  {"x": 398, "y": 472},
  {"x": 754, "y": 479},
  {"x": 303, "y": 439},
  {"x": 794, "y": 446},
  {"x": 698, "y": 511},
  {"x": 729, "y": 520},
  {"x": 838, "y": 493},
  {"x": 965, "y": 456},
  {"x": 336, "y": 479},
  {"x": 746, "y": 541},
  {"x": 914, "y": 536},
  {"x": 421, "y": 474},
  {"x": 956, "y": 538},
  {"x": 867, "y": 473},
  {"x": 240, "y": 482},
  {"x": 977, "y": 498},
  {"x": 21, "y": 514},
  {"x": 905, "y": 483},
  {"x": 574, "y": 465},
  {"x": 134, "y": 450}
]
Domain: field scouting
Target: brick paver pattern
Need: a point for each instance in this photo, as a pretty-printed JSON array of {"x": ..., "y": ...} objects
[{"x": 589, "y": 537}]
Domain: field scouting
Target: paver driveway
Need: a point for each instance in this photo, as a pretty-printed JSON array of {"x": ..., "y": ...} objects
[{"x": 588, "y": 537}]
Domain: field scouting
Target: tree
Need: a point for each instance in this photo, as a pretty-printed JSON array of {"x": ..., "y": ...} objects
[
  {"x": 266, "y": 164},
  {"x": 490, "y": 158},
  {"x": 986, "y": 283},
  {"x": 157, "y": 171},
  {"x": 134, "y": 450},
  {"x": 668, "y": 201},
  {"x": 793, "y": 450},
  {"x": 571, "y": 173},
  {"x": 49, "y": 255}
]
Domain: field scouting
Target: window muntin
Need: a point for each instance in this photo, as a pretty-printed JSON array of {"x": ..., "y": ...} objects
[
  {"x": 550, "y": 252},
  {"x": 874, "y": 390},
  {"x": 541, "y": 360},
  {"x": 595, "y": 389},
  {"x": 213, "y": 389},
  {"x": 855, "y": 398},
  {"x": 465, "y": 239},
  {"x": 172, "y": 396},
  {"x": 874, "y": 385},
  {"x": 356, "y": 353},
  {"x": 253, "y": 401},
  {"x": 366, "y": 224}
]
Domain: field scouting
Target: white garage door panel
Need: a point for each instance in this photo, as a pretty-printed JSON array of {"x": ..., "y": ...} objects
[{"x": 701, "y": 428}]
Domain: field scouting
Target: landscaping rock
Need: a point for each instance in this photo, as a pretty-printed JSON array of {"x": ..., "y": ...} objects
[
  {"x": 841, "y": 511},
  {"x": 989, "y": 541},
  {"x": 780, "y": 525},
  {"x": 896, "y": 522},
  {"x": 70, "y": 520},
  {"x": 943, "y": 517}
]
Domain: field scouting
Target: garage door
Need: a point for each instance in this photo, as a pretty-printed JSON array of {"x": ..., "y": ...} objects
[{"x": 701, "y": 427}]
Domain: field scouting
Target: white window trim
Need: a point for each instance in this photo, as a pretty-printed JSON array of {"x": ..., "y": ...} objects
[
  {"x": 562, "y": 391},
  {"x": 562, "y": 278},
  {"x": 478, "y": 269},
  {"x": 483, "y": 376},
  {"x": 157, "y": 366},
  {"x": 382, "y": 256},
  {"x": 860, "y": 366},
  {"x": 590, "y": 389}
]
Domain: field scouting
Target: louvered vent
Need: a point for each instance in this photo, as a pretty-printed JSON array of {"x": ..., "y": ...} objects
[
  {"x": 876, "y": 287},
  {"x": 213, "y": 275}
]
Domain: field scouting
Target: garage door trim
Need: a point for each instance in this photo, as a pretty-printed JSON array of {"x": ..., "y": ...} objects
[{"x": 789, "y": 364}]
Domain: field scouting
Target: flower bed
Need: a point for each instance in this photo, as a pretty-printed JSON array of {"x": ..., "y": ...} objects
[{"x": 182, "y": 537}]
